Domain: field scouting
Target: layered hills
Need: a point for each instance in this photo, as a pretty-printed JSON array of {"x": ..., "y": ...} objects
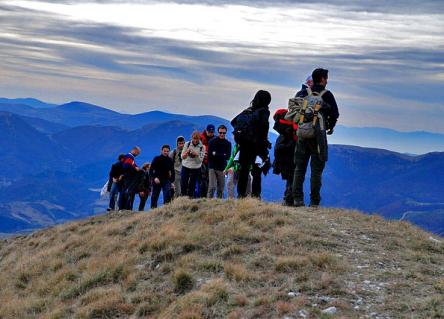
[
  {"x": 53, "y": 160},
  {"x": 224, "y": 259}
]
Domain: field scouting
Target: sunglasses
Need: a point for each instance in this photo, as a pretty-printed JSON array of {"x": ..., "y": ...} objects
[{"x": 222, "y": 133}]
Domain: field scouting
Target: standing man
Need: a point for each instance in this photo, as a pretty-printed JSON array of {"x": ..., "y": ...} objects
[
  {"x": 251, "y": 133},
  {"x": 115, "y": 183},
  {"x": 315, "y": 149},
  {"x": 219, "y": 151},
  {"x": 205, "y": 138},
  {"x": 130, "y": 178},
  {"x": 176, "y": 156},
  {"x": 162, "y": 175}
]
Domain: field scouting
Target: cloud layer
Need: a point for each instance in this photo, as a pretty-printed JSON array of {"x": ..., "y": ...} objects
[{"x": 386, "y": 62}]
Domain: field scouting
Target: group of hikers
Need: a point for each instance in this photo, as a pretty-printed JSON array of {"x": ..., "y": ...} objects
[{"x": 199, "y": 167}]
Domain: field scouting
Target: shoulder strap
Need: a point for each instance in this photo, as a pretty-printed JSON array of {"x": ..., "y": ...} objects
[
  {"x": 309, "y": 91},
  {"x": 323, "y": 92}
]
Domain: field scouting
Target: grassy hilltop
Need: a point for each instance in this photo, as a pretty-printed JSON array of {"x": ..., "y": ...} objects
[{"x": 216, "y": 259}]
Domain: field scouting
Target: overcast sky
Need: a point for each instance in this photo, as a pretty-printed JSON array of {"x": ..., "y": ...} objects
[{"x": 386, "y": 58}]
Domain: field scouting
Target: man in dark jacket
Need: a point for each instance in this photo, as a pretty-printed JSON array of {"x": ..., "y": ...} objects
[
  {"x": 256, "y": 146},
  {"x": 315, "y": 149},
  {"x": 219, "y": 152},
  {"x": 115, "y": 183},
  {"x": 162, "y": 176}
]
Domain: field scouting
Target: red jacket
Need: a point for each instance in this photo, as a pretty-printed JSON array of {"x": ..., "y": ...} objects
[{"x": 205, "y": 139}]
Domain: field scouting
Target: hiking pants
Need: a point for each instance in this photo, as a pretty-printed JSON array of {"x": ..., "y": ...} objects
[
  {"x": 116, "y": 190},
  {"x": 305, "y": 150},
  {"x": 165, "y": 187},
  {"x": 288, "y": 195},
  {"x": 233, "y": 178},
  {"x": 177, "y": 191},
  {"x": 203, "y": 182},
  {"x": 142, "y": 202},
  {"x": 247, "y": 160},
  {"x": 217, "y": 181},
  {"x": 188, "y": 179}
]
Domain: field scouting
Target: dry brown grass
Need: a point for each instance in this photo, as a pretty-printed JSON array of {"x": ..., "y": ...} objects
[{"x": 215, "y": 259}]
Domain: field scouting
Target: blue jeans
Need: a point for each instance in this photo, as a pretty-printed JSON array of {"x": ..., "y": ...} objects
[
  {"x": 116, "y": 189},
  {"x": 165, "y": 187}
]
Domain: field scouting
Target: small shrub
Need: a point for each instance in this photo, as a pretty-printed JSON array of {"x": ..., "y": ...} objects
[
  {"x": 143, "y": 248},
  {"x": 211, "y": 265},
  {"x": 183, "y": 281},
  {"x": 236, "y": 272},
  {"x": 283, "y": 307},
  {"x": 287, "y": 264},
  {"x": 23, "y": 279}
]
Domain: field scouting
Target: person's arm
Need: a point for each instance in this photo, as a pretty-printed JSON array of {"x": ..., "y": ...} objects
[
  {"x": 230, "y": 163},
  {"x": 332, "y": 113},
  {"x": 227, "y": 151},
  {"x": 212, "y": 149},
  {"x": 184, "y": 153},
  {"x": 153, "y": 168},
  {"x": 173, "y": 172}
]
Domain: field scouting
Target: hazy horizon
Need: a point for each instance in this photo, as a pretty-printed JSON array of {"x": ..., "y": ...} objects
[{"x": 386, "y": 60}]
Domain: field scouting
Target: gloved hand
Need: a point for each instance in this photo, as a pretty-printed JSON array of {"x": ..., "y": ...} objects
[{"x": 330, "y": 131}]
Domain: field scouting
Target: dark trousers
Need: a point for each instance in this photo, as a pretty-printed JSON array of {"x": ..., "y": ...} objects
[
  {"x": 288, "y": 195},
  {"x": 165, "y": 187},
  {"x": 247, "y": 158},
  {"x": 188, "y": 179},
  {"x": 305, "y": 150},
  {"x": 142, "y": 202},
  {"x": 204, "y": 180}
]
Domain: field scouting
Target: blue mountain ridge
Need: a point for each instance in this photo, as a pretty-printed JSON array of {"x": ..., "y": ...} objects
[{"x": 48, "y": 176}]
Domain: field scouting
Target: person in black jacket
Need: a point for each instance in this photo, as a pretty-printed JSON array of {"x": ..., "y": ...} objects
[
  {"x": 115, "y": 183},
  {"x": 144, "y": 185},
  {"x": 256, "y": 146},
  {"x": 162, "y": 176},
  {"x": 219, "y": 152},
  {"x": 315, "y": 149}
]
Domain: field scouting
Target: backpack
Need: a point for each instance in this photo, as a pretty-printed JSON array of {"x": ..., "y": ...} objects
[
  {"x": 244, "y": 130},
  {"x": 283, "y": 126},
  {"x": 175, "y": 154},
  {"x": 304, "y": 111}
]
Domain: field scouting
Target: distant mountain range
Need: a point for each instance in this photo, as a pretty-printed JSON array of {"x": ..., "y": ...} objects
[{"x": 53, "y": 157}]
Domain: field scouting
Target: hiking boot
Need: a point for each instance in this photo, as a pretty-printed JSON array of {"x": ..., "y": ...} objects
[
  {"x": 288, "y": 204},
  {"x": 299, "y": 203},
  {"x": 108, "y": 209},
  {"x": 313, "y": 205}
]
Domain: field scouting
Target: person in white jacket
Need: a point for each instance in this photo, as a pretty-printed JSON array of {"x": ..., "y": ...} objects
[{"x": 192, "y": 155}]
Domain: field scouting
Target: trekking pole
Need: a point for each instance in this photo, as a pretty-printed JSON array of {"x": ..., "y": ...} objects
[
  {"x": 304, "y": 107},
  {"x": 316, "y": 110}
]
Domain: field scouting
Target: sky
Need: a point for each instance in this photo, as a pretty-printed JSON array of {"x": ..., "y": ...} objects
[{"x": 385, "y": 58}]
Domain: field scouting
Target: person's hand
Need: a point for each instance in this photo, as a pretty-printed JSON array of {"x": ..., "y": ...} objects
[
  {"x": 142, "y": 194},
  {"x": 157, "y": 181},
  {"x": 225, "y": 172},
  {"x": 173, "y": 186},
  {"x": 330, "y": 131}
]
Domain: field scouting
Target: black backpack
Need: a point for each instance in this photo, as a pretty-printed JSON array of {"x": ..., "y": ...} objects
[{"x": 244, "y": 128}]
